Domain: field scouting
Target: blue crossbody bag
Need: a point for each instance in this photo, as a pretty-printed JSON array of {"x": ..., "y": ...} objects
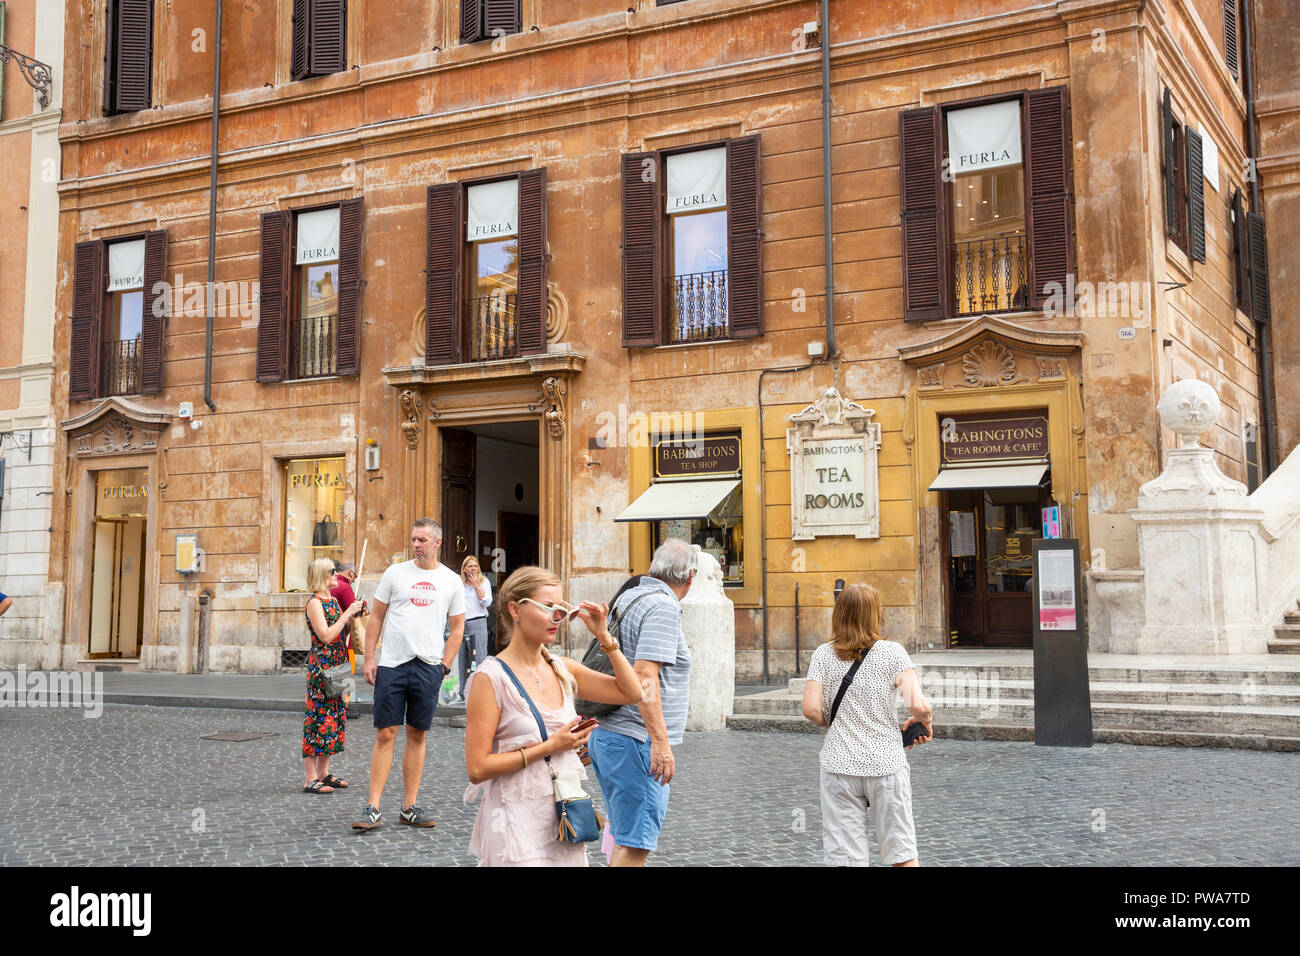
[{"x": 576, "y": 816}]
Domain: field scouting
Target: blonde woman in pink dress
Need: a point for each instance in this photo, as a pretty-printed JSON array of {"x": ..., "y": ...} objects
[{"x": 505, "y": 756}]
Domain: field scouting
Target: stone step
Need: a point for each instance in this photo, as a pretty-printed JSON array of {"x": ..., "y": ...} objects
[
  {"x": 1101, "y": 735},
  {"x": 1285, "y": 642},
  {"x": 1292, "y": 618},
  {"x": 1217, "y": 673},
  {"x": 1257, "y": 718},
  {"x": 1208, "y": 695}
]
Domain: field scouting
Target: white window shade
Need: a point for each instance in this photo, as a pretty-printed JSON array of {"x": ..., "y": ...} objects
[
  {"x": 697, "y": 180},
  {"x": 493, "y": 210},
  {"x": 1210, "y": 159},
  {"x": 318, "y": 236},
  {"x": 126, "y": 266},
  {"x": 984, "y": 137}
]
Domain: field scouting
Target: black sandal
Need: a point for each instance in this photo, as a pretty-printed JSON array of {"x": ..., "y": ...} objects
[
  {"x": 318, "y": 786},
  {"x": 332, "y": 781}
]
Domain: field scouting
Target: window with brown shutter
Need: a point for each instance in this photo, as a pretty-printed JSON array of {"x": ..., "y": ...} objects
[
  {"x": 128, "y": 56},
  {"x": 89, "y": 282},
  {"x": 1230, "y": 54},
  {"x": 157, "y": 307},
  {"x": 1051, "y": 195},
  {"x": 925, "y": 287},
  {"x": 1241, "y": 252},
  {"x": 643, "y": 305},
  {"x": 445, "y": 240},
  {"x": 320, "y": 38},
  {"x": 273, "y": 297},
  {"x": 744, "y": 237},
  {"x": 532, "y": 262},
  {"x": 1195, "y": 196},
  {"x": 1174, "y": 151},
  {"x": 486, "y": 19},
  {"x": 1261, "y": 310},
  {"x": 348, "y": 344}
]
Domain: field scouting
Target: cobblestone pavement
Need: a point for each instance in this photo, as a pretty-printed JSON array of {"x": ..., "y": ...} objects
[{"x": 133, "y": 787}]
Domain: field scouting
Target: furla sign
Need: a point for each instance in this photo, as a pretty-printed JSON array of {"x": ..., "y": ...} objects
[{"x": 834, "y": 455}]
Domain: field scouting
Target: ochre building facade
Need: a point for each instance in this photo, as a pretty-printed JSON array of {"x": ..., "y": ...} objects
[{"x": 502, "y": 264}]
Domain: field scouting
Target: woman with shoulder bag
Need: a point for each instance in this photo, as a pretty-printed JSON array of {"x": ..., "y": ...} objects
[
  {"x": 864, "y": 767},
  {"x": 323, "y": 723},
  {"x": 510, "y": 762}
]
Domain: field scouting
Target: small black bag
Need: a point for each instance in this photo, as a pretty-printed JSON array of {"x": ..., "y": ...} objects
[{"x": 599, "y": 662}]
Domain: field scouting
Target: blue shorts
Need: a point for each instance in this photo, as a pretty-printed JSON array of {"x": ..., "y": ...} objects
[
  {"x": 635, "y": 801},
  {"x": 407, "y": 694}
]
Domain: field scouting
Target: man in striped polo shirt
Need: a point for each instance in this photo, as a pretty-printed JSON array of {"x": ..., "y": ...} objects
[{"x": 631, "y": 750}]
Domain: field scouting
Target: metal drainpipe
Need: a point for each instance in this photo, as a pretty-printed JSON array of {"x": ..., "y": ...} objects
[
  {"x": 827, "y": 212},
  {"x": 1261, "y": 329},
  {"x": 762, "y": 498},
  {"x": 212, "y": 218}
]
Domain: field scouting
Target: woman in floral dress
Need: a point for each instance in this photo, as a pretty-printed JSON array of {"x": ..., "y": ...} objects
[{"x": 322, "y": 726}]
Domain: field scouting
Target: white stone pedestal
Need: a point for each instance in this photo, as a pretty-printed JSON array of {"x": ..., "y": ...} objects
[
  {"x": 1202, "y": 554},
  {"x": 709, "y": 622}
]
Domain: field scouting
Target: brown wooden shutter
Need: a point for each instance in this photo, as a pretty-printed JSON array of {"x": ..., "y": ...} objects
[
  {"x": 1167, "y": 163},
  {"x": 925, "y": 228},
  {"x": 643, "y": 273},
  {"x": 349, "y": 337},
  {"x": 1051, "y": 201},
  {"x": 531, "y": 303},
  {"x": 157, "y": 308},
  {"x": 274, "y": 301},
  {"x": 1241, "y": 252},
  {"x": 445, "y": 209},
  {"x": 503, "y": 15},
  {"x": 1261, "y": 310},
  {"x": 1230, "y": 38},
  {"x": 301, "y": 25},
  {"x": 1195, "y": 195},
  {"x": 471, "y": 21},
  {"x": 328, "y": 49},
  {"x": 134, "y": 55},
  {"x": 89, "y": 292},
  {"x": 110, "y": 59},
  {"x": 744, "y": 238}
]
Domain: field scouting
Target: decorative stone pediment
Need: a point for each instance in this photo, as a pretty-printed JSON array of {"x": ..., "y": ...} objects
[
  {"x": 989, "y": 353},
  {"x": 115, "y": 426}
]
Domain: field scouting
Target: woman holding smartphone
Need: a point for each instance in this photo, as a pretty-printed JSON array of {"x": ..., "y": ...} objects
[{"x": 505, "y": 756}]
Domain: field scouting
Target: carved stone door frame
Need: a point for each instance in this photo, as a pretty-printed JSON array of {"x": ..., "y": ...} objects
[
  {"x": 989, "y": 365},
  {"x": 116, "y": 433}
]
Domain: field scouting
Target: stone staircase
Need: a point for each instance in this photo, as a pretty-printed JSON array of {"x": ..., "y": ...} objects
[
  {"x": 1243, "y": 702},
  {"x": 1286, "y": 639}
]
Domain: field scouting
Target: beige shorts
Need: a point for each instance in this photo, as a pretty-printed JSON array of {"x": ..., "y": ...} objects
[{"x": 845, "y": 813}]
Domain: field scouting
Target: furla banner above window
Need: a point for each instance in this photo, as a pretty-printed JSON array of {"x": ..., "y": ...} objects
[
  {"x": 493, "y": 210},
  {"x": 126, "y": 266},
  {"x": 318, "y": 236},
  {"x": 697, "y": 180},
  {"x": 984, "y": 137}
]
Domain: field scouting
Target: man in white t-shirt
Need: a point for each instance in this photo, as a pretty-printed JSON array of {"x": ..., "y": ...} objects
[{"x": 412, "y": 605}]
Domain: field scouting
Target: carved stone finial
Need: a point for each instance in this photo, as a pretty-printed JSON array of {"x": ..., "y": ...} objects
[{"x": 1190, "y": 408}]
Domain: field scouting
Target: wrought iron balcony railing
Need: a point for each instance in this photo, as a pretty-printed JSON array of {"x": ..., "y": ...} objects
[
  {"x": 313, "y": 346},
  {"x": 491, "y": 328},
  {"x": 122, "y": 367},
  {"x": 990, "y": 274},
  {"x": 699, "y": 307}
]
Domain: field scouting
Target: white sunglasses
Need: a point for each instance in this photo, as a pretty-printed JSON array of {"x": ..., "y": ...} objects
[{"x": 557, "y": 612}]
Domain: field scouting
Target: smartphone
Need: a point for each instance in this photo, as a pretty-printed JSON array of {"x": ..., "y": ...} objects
[{"x": 586, "y": 722}]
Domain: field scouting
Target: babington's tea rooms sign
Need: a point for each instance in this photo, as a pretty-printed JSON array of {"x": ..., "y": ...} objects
[{"x": 834, "y": 448}]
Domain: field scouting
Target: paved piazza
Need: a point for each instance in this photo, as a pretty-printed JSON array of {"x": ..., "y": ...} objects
[{"x": 138, "y": 786}]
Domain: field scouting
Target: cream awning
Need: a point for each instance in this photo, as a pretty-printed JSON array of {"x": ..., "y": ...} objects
[
  {"x": 667, "y": 500},
  {"x": 990, "y": 476}
]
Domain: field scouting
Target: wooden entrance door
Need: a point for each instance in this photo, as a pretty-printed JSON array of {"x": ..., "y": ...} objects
[
  {"x": 458, "y": 457},
  {"x": 989, "y": 556},
  {"x": 517, "y": 536}
]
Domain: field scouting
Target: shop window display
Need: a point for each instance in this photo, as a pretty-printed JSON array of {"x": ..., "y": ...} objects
[{"x": 314, "y": 494}]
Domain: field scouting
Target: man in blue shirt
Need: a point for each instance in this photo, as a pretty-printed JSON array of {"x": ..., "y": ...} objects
[
  {"x": 6, "y": 602},
  {"x": 631, "y": 750}
]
